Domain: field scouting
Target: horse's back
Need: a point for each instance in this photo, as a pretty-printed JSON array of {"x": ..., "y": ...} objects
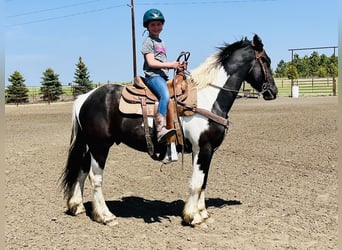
[
  {"x": 100, "y": 118},
  {"x": 99, "y": 109},
  {"x": 101, "y": 99}
]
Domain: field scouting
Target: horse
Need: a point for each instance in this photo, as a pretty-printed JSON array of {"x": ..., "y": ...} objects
[{"x": 97, "y": 124}]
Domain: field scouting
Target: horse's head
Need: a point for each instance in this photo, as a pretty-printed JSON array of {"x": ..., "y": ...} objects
[{"x": 259, "y": 75}]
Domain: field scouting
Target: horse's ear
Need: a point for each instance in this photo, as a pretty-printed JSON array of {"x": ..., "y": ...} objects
[{"x": 257, "y": 43}]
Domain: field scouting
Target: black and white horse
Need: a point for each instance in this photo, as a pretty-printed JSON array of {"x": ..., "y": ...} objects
[{"x": 98, "y": 124}]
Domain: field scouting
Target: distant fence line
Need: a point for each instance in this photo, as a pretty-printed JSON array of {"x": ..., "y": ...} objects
[
  {"x": 307, "y": 87},
  {"x": 35, "y": 94}
]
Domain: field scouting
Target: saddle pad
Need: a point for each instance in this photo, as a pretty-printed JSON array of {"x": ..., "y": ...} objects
[{"x": 135, "y": 108}]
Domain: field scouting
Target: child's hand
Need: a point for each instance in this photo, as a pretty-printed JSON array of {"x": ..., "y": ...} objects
[{"x": 175, "y": 65}]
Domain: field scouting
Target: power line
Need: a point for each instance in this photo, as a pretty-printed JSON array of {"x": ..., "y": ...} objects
[
  {"x": 51, "y": 9},
  {"x": 70, "y": 15},
  {"x": 117, "y": 6},
  {"x": 204, "y": 2}
]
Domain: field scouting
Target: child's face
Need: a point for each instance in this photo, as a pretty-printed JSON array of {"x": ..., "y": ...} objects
[{"x": 155, "y": 27}]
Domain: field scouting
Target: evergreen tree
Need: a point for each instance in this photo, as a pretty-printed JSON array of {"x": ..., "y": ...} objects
[
  {"x": 324, "y": 61},
  {"x": 314, "y": 63},
  {"x": 281, "y": 69},
  {"x": 302, "y": 65},
  {"x": 17, "y": 91},
  {"x": 81, "y": 76},
  {"x": 333, "y": 66},
  {"x": 51, "y": 86}
]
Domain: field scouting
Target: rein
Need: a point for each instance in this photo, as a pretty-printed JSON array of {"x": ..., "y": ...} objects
[{"x": 225, "y": 89}]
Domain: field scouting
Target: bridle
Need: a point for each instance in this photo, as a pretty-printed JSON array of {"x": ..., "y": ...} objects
[
  {"x": 266, "y": 87},
  {"x": 259, "y": 57}
]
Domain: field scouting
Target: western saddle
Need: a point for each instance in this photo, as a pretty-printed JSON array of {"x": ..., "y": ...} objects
[{"x": 139, "y": 99}]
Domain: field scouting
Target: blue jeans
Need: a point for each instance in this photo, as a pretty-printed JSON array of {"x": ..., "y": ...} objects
[{"x": 158, "y": 86}]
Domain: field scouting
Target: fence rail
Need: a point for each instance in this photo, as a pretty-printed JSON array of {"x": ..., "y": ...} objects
[{"x": 307, "y": 87}]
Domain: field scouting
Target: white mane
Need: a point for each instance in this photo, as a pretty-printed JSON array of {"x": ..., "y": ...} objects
[{"x": 207, "y": 72}]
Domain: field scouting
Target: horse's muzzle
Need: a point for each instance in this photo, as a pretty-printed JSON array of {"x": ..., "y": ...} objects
[{"x": 268, "y": 91}]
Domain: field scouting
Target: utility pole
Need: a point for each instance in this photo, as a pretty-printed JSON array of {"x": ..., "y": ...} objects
[{"x": 133, "y": 40}]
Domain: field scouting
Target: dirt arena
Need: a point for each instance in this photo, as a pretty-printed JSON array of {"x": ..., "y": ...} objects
[{"x": 272, "y": 184}]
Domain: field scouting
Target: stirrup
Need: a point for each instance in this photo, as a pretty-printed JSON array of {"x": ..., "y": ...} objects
[{"x": 171, "y": 154}]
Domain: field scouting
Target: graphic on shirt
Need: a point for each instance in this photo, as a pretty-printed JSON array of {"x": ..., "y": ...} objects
[{"x": 160, "y": 49}]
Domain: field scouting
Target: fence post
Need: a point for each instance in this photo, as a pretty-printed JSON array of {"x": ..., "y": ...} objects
[{"x": 334, "y": 86}]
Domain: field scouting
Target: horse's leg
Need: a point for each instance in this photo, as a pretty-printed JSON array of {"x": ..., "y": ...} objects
[
  {"x": 195, "y": 211},
  {"x": 78, "y": 166},
  {"x": 75, "y": 201},
  {"x": 201, "y": 206},
  {"x": 191, "y": 213},
  {"x": 101, "y": 212}
]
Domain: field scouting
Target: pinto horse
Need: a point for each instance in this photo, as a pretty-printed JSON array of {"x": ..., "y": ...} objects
[{"x": 97, "y": 124}]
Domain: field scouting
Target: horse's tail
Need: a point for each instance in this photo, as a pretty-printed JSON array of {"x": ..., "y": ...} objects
[{"x": 77, "y": 151}]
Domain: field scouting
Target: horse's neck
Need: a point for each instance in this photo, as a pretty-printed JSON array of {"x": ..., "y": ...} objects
[{"x": 220, "y": 97}]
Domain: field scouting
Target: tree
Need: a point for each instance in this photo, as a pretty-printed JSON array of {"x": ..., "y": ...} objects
[
  {"x": 322, "y": 71},
  {"x": 81, "y": 76},
  {"x": 308, "y": 66},
  {"x": 332, "y": 66},
  {"x": 314, "y": 63},
  {"x": 51, "y": 89},
  {"x": 303, "y": 67},
  {"x": 292, "y": 72},
  {"x": 281, "y": 69},
  {"x": 17, "y": 91}
]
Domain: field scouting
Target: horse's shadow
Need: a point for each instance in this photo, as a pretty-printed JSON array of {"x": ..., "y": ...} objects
[{"x": 153, "y": 210}]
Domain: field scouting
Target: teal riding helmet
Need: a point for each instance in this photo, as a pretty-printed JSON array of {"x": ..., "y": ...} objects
[{"x": 152, "y": 15}]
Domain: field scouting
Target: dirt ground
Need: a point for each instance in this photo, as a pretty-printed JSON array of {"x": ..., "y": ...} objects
[{"x": 272, "y": 184}]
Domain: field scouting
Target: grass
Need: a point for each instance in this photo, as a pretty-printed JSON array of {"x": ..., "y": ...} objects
[{"x": 307, "y": 87}]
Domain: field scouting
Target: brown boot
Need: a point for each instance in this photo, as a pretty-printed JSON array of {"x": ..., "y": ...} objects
[{"x": 162, "y": 132}]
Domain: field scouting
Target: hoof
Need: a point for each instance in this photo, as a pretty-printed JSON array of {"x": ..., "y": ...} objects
[
  {"x": 193, "y": 220},
  {"x": 197, "y": 220},
  {"x": 204, "y": 214},
  {"x": 77, "y": 209},
  {"x": 106, "y": 219},
  {"x": 111, "y": 223},
  {"x": 187, "y": 219}
]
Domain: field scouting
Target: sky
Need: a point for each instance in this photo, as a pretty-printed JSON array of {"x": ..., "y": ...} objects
[{"x": 54, "y": 34}]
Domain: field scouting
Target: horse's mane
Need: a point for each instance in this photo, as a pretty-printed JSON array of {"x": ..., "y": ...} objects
[{"x": 208, "y": 71}]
